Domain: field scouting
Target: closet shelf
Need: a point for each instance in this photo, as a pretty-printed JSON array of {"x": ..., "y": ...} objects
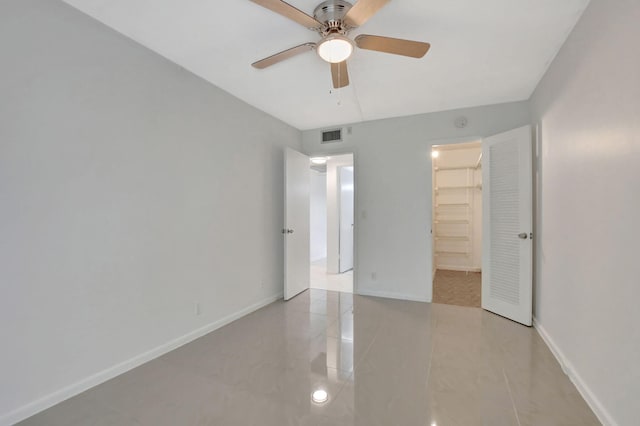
[
  {"x": 453, "y": 205},
  {"x": 451, "y": 238},
  {"x": 438, "y": 169},
  {"x": 451, "y": 253},
  {"x": 459, "y": 187}
]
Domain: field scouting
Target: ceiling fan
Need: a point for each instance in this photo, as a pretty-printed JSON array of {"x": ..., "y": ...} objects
[{"x": 333, "y": 20}]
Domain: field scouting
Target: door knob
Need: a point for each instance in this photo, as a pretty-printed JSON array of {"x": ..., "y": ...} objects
[{"x": 523, "y": 235}]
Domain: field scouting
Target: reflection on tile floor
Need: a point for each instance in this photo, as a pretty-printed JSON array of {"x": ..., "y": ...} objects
[
  {"x": 322, "y": 280},
  {"x": 383, "y": 363}
]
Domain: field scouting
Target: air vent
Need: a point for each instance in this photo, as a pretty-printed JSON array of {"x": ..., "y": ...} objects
[{"x": 332, "y": 136}]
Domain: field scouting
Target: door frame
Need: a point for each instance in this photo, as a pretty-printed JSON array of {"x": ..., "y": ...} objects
[
  {"x": 339, "y": 176},
  {"x": 330, "y": 153},
  {"x": 431, "y": 245}
]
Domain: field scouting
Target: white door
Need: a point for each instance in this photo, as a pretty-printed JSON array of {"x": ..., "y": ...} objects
[
  {"x": 296, "y": 222},
  {"x": 346, "y": 219},
  {"x": 507, "y": 211}
]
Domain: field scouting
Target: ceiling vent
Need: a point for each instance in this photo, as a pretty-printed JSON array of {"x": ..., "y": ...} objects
[{"x": 332, "y": 136}]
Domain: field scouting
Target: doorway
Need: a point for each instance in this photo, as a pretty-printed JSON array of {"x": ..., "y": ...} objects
[
  {"x": 332, "y": 223},
  {"x": 457, "y": 223}
]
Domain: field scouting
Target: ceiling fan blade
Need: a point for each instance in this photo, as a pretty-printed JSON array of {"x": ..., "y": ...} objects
[
  {"x": 362, "y": 11},
  {"x": 281, "y": 56},
  {"x": 340, "y": 75},
  {"x": 396, "y": 46},
  {"x": 285, "y": 9}
]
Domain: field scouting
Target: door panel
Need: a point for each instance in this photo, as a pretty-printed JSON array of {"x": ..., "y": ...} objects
[
  {"x": 296, "y": 223},
  {"x": 507, "y": 201},
  {"x": 346, "y": 218}
]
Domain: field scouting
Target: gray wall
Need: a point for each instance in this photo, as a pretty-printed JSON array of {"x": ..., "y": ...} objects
[
  {"x": 129, "y": 190},
  {"x": 587, "y": 109},
  {"x": 393, "y": 190}
]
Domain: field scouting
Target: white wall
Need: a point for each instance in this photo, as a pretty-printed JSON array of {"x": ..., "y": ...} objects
[
  {"x": 333, "y": 209},
  {"x": 587, "y": 290},
  {"x": 318, "y": 215},
  {"x": 393, "y": 190},
  {"x": 129, "y": 189}
]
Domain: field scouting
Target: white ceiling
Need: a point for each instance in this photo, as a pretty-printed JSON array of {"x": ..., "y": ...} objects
[{"x": 483, "y": 52}]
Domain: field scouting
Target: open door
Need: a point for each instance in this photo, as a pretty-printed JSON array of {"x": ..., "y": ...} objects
[
  {"x": 297, "y": 176},
  {"x": 346, "y": 219},
  {"x": 507, "y": 200}
]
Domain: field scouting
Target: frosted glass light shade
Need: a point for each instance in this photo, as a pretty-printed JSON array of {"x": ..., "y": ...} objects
[{"x": 335, "y": 48}]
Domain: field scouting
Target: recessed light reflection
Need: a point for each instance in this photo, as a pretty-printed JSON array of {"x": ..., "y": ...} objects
[
  {"x": 433, "y": 424},
  {"x": 320, "y": 396},
  {"x": 435, "y": 154}
]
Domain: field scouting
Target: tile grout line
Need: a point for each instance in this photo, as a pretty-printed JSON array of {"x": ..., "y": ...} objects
[{"x": 513, "y": 403}]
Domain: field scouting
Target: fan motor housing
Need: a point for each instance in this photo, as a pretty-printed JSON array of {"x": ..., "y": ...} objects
[{"x": 331, "y": 13}]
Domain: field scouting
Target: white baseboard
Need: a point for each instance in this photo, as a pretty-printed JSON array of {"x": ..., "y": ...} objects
[
  {"x": 74, "y": 389},
  {"x": 596, "y": 406},
  {"x": 392, "y": 295}
]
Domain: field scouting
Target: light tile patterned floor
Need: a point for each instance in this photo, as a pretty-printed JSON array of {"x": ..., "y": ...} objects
[
  {"x": 383, "y": 362},
  {"x": 322, "y": 280}
]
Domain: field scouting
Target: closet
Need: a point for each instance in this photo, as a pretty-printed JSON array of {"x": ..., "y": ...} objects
[{"x": 457, "y": 207}]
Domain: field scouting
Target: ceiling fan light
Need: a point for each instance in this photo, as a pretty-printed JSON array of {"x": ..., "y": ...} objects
[{"x": 335, "y": 48}]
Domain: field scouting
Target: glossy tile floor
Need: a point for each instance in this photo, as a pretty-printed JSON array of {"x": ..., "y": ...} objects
[
  {"x": 383, "y": 363},
  {"x": 322, "y": 280},
  {"x": 457, "y": 288}
]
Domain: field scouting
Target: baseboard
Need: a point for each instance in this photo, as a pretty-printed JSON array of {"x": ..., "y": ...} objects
[
  {"x": 392, "y": 295},
  {"x": 74, "y": 389},
  {"x": 596, "y": 406}
]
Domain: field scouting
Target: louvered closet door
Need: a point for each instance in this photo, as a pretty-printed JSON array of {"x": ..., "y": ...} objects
[{"x": 507, "y": 200}]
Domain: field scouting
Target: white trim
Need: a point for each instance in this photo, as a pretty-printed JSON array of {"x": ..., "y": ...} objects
[
  {"x": 429, "y": 164},
  {"x": 354, "y": 280},
  {"x": 596, "y": 406},
  {"x": 74, "y": 389},
  {"x": 392, "y": 295}
]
